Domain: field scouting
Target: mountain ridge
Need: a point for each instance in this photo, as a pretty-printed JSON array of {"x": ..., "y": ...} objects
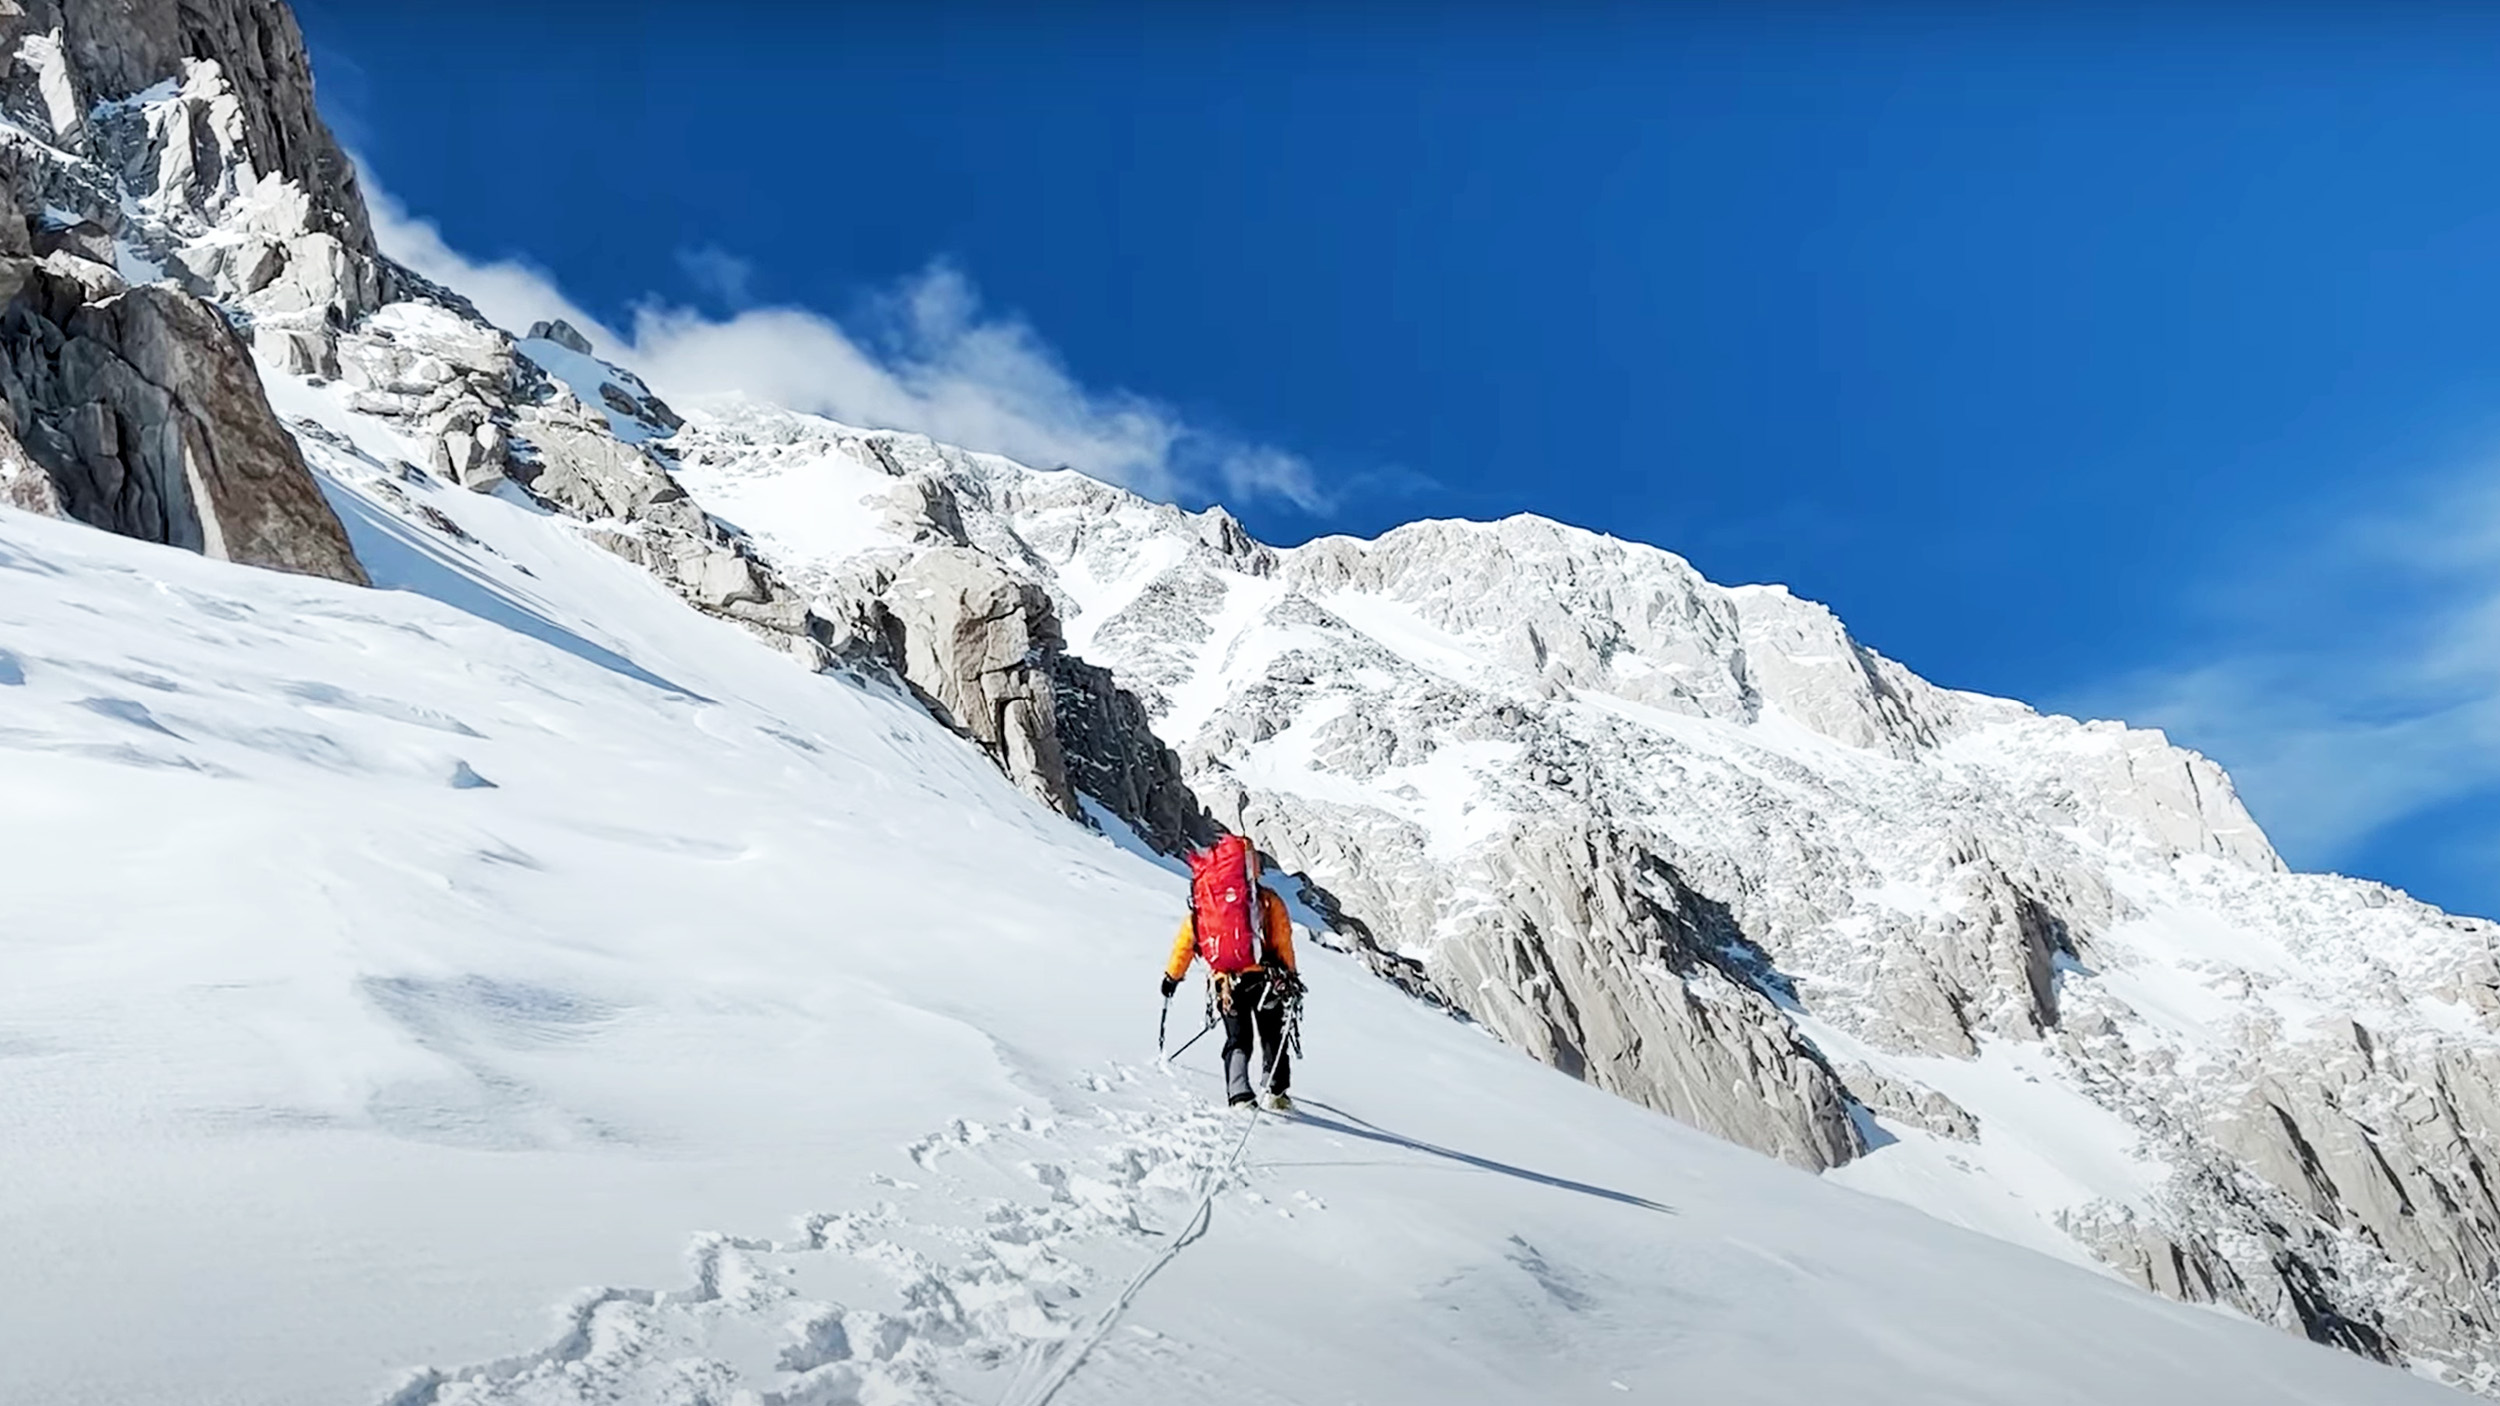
[
  {"x": 1693, "y": 844},
  {"x": 2077, "y": 835}
]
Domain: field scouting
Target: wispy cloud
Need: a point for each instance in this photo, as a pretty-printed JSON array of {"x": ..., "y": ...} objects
[
  {"x": 931, "y": 358},
  {"x": 2366, "y": 687},
  {"x": 720, "y": 273},
  {"x": 1250, "y": 471},
  {"x": 511, "y": 292}
]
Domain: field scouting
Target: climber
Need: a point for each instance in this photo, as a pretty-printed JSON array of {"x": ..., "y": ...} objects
[{"x": 1249, "y": 958}]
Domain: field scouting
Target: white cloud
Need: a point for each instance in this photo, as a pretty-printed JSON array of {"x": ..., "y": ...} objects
[
  {"x": 2323, "y": 762},
  {"x": 1249, "y": 471},
  {"x": 511, "y": 293},
  {"x": 720, "y": 273},
  {"x": 2367, "y": 689},
  {"x": 939, "y": 364}
]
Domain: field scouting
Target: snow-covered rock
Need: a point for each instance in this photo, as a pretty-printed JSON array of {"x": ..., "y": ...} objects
[
  {"x": 125, "y": 149},
  {"x": 144, "y": 416},
  {"x": 1701, "y": 847}
]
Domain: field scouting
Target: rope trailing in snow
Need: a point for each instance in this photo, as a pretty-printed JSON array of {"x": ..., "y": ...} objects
[{"x": 1201, "y": 1219}]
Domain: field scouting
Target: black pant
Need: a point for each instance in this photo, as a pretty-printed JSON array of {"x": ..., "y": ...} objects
[{"x": 1243, "y": 1017}]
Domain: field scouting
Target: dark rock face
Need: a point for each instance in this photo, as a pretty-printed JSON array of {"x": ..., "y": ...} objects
[
  {"x": 562, "y": 333},
  {"x": 109, "y": 49},
  {"x": 144, "y": 412},
  {"x": 137, "y": 125},
  {"x": 1113, "y": 755},
  {"x": 1059, "y": 727}
]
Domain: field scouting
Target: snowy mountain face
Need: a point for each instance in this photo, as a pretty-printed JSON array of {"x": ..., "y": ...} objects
[
  {"x": 636, "y": 861},
  {"x": 1700, "y": 847},
  {"x": 524, "y": 989}
]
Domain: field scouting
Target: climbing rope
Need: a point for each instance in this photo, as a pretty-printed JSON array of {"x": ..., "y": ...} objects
[
  {"x": 1201, "y": 1219},
  {"x": 1056, "y": 1370}
]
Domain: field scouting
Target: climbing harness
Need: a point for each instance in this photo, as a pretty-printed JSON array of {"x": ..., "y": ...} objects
[{"x": 1283, "y": 990}]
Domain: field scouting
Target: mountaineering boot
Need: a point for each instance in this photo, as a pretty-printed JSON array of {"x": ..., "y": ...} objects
[
  {"x": 1247, "y": 1103},
  {"x": 1280, "y": 1102}
]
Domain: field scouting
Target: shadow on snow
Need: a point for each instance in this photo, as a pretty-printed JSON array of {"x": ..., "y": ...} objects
[
  {"x": 1355, "y": 1126},
  {"x": 399, "y": 557}
]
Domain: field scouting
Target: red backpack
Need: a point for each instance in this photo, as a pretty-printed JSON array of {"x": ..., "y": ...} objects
[{"x": 1223, "y": 906}]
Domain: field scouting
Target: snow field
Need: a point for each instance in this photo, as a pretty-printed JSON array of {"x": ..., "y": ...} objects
[{"x": 407, "y": 984}]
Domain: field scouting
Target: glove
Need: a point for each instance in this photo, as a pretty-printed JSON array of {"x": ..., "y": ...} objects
[{"x": 1170, "y": 985}]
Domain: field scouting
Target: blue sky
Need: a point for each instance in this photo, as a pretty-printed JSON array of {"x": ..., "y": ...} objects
[{"x": 2140, "y": 364}]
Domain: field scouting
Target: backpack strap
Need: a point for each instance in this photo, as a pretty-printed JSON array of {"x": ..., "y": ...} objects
[{"x": 1257, "y": 904}]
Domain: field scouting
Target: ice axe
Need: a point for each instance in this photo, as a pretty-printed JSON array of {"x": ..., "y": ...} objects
[
  {"x": 1162, "y": 1028},
  {"x": 1185, "y": 1044}
]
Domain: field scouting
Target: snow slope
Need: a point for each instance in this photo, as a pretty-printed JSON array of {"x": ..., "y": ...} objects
[
  {"x": 2040, "y": 978},
  {"x": 511, "y": 985}
]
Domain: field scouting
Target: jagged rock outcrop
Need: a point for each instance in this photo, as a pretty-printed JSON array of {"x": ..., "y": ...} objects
[
  {"x": 1603, "y": 963},
  {"x": 138, "y": 409},
  {"x": 144, "y": 411},
  {"x": 67, "y": 56},
  {"x": 2386, "y": 1150},
  {"x": 1909, "y": 1104},
  {"x": 180, "y": 135},
  {"x": 979, "y": 643},
  {"x": 24, "y": 484},
  {"x": 560, "y": 332},
  {"x": 1108, "y": 745},
  {"x": 634, "y": 413},
  {"x": 976, "y": 643},
  {"x": 487, "y": 414}
]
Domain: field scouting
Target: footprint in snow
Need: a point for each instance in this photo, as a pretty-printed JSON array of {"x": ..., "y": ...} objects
[{"x": 909, "y": 1299}]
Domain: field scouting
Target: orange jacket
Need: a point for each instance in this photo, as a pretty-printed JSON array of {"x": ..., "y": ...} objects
[{"x": 1279, "y": 938}]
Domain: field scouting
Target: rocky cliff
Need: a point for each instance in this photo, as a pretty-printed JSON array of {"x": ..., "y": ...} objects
[
  {"x": 134, "y": 138},
  {"x": 74, "y": 62},
  {"x": 908, "y": 591}
]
